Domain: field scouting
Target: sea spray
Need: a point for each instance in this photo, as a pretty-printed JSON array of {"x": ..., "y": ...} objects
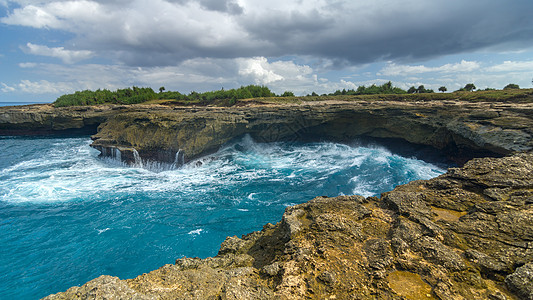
[
  {"x": 117, "y": 155},
  {"x": 69, "y": 215},
  {"x": 179, "y": 160},
  {"x": 138, "y": 162}
]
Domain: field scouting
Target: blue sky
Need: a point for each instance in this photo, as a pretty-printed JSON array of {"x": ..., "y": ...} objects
[{"x": 50, "y": 48}]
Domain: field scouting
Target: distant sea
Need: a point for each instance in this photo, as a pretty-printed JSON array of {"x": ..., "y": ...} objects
[{"x": 19, "y": 103}]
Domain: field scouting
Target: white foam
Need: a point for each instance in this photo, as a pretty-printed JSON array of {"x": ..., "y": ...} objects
[
  {"x": 196, "y": 231},
  {"x": 71, "y": 171},
  {"x": 100, "y": 231}
]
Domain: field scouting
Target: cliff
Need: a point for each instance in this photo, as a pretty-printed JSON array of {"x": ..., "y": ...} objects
[
  {"x": 461, "y": 129},
  {"x": 464, "y": 235},
  {"x": 467, "y": 234}
]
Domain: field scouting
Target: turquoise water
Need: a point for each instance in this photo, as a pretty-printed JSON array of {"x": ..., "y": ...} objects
[{"x": 67, "y": 216}]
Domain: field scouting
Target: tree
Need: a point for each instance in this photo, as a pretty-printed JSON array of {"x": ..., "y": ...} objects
[
  {"x": 443, "y": 89},
  {"x": 287, "y": 94},
  {"x": 412, "y": 90},
  {"x": 469, "y": 87},
  {"x": 161, "y": 89},
  {"x": 511, "y": 86}
]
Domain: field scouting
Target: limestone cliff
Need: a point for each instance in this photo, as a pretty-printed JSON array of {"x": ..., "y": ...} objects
[
  {"x": 157, "y": 132},
  {"x": 467, "y": 234},
  {"x": 461, "y": 129},
  {"x": 44, "y": 119}
]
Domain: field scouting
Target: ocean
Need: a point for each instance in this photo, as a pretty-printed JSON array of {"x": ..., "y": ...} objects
[
  {"x": 19, "y": 103},
  {"x": 68, "y": 216}
]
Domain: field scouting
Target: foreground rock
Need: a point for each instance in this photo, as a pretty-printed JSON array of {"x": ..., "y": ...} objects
[{"x": 467, "y": 234}]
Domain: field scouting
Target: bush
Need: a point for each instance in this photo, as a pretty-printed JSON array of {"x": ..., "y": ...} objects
[{"x": 511, "y": 86}]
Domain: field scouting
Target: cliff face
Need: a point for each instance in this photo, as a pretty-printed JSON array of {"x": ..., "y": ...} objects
[
  {"x": 463, "y": 129},
  {"x": 467, "y": 234},
  {"x": 157, "y": 133},
  {"x": 45, "y": 119}
]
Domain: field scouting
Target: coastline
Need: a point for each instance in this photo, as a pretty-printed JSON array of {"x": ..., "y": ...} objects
[{"x": 450, "y": 237}]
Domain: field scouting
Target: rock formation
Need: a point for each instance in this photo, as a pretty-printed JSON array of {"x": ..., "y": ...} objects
[
  {"x": 467, "y": 234},
  {"x": 157, "y": 132},
  {"x": 463, "y": 130}
]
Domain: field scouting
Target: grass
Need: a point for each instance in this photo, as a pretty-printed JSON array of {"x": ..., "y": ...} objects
[{"x": 512, "y": 96}]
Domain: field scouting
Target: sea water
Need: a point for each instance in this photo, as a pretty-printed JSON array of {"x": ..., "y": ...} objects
[
  {"x": 67, "y": 216},
  {"x": 19, "y": 103}
]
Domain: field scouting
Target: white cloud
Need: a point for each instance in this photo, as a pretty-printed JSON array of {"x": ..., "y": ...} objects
[
  {"x": 258, "y": 69},
  {"x": 67, "y": 56},
  {"x": 154, "y": 32},
  {"x": 6, "y": 88},
  {"x": 32, "y": 16},
  {"x": 37, "y": 87},
  {"x": 43, "y": 87},
  {"x": 512, "y": 66},
  {"x": 27, "y": 65},
  {"x": 393, "y": 69}
]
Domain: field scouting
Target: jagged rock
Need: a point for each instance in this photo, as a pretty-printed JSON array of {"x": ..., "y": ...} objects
[
  {"x": 349, "y": 247},
  {"x": 521, "y": 281}
]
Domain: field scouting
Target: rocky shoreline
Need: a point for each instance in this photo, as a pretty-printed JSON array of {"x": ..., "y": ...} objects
[{"x": 467, "y": 234}]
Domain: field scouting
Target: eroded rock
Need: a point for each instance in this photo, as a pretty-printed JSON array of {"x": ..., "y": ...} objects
[{"x": 350, "y": 247}]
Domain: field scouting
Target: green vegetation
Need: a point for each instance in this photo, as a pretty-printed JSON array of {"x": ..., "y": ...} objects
[
  {"x": 262, "y": 94},
  {"x": 469, "y": 87},
  {"x": 420, "y": 90},
  {"x": 511, "y": 86},
  {"x": 385, "y": 88},
  {"x": 121, "y": 96},
  {"x": 139, "y": 95}
]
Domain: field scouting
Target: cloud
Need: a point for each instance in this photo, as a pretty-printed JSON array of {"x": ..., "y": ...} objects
[
  {"x": 512, "y": 66},
  {"x": 393, "y": 69},
  {"x": 258, "y": 69},
  {"x": 37, "y": 87},
  {"x": 43, "y": 87},
  {"x": 67, "y": 56},
  {"x": 6, "y": 89},
  {"x": 157, "y": 32}
]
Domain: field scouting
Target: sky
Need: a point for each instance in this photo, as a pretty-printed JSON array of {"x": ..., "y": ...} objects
[{"x": 50, "y": 48}]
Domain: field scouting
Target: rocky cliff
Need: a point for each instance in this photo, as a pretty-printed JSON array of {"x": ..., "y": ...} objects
[
  {"x": 461, "y": 129},
  {"x": 464, "y": 235},
  {"x": 467, "y": 234},
  {"x": 44, "y": 119},
  {"x": 178, "y": 134}
]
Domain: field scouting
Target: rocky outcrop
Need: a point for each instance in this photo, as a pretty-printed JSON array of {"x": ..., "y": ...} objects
[
  {"x": 157, "y": 133},
  {"x": 44, "y": 119},
  {"x": 467, "y": 234},
  {"x": 461, "y": 129}
]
